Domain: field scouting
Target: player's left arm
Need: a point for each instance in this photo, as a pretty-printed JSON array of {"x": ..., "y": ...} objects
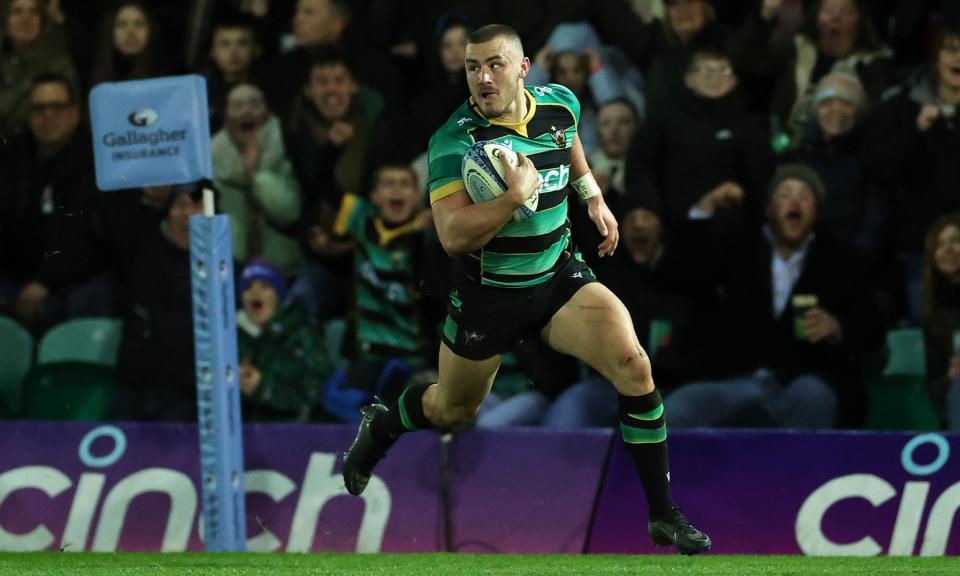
[{"x": 585, "y": 185}]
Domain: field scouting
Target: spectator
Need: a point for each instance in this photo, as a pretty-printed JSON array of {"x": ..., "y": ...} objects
[
  {"x": 432, "y": 108},
  {"x": 332, "y": 131},
  {"x": 283, "y": 364},
  {"x": 155, "y": 366},
  {"x": 256, "y": 182},
  {"x": 29, "y": 45},
  {"x": 234, "y": 52},
  {"x": 912, "y": 148},
  {"x": 322, "y": 25},
  {"x": 704, "y": 151},
  {"x": 799, "y": 321},
  {"x": 129, "y": 46},
  {"x": 837, "y": 37},
  {"x": 52, "y": 212},
  {"x": 941, "y": 299},
  {"x": 832, "y": 145},
  {"x": 617, "y": 122}
]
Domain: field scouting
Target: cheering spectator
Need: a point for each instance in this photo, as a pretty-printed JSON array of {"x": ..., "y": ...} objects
[
  {"x": 799, "y": 322},
  {"x": 832, "y": 146},
  {"x": 913, "y": 144},
  {"x": 29, "y": 45},
  {"x": 256, "y": 182},
  {"x": 129, "y": 46},
  {"x": 941, "y": 302},
  {"x": 52, "y": 214},
  {"x": 837, "y": 37},
  {"x": 283, "y": 364}
]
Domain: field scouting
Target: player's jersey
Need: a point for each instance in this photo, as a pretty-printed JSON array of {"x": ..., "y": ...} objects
[
  {"x": 524, "y": 253},
  {"x": 385, "y": 311}
]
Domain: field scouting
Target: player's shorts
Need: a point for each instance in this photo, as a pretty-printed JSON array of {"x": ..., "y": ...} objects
[{"x": 483, "y": 321}]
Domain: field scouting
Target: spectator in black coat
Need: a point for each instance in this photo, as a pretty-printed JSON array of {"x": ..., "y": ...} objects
[
  {"x": 234, "y": 54},
  {"x": 155, "y": 367},
  {"x": 52, "y": 215},
  {"x": 799, "y": 326},
  {"x": 913, "y": 144}
]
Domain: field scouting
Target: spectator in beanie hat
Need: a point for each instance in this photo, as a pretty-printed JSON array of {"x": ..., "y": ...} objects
[{"x": 283, "y": 365}]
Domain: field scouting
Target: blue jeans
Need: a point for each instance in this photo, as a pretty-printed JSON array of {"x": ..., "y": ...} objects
[
  {"x": 806, "y": 402},
  {"x": 590, "y": 403},
  {"x": 523, "y": 409}
]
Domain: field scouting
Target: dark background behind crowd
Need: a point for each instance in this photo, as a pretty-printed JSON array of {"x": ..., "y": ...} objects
[{"x": 786, "y": 174}]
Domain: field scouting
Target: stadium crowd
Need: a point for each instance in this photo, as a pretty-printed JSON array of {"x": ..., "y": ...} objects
[{"x": 786, "y": 174}]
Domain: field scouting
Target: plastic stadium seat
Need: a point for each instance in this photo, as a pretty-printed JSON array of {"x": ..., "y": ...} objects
[
  {"x": 68, "y": 391},
  {"x": 907, "y": 353},
  {"x": 16, "y": 355},
  {"x": 898, "y": 399},
  {"x": 89, "y": 340}
]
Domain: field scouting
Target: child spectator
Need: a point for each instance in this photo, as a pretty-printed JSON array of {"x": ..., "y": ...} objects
[
  {"x": 941, "y": 303},
  {"x": 283, "y": 364},
  {"x": 256, "y": 182}
]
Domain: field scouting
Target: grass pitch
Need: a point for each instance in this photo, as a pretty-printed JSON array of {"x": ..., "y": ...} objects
[{"x": 57, "y": 563}]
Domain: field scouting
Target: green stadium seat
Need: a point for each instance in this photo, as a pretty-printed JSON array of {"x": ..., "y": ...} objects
[
  {"x": 68, "y": 391},
  {"x": 88, "y": 340},
  {"x": 333, "y": 334},
  {"x": 16, "y": 356},
  {"x": 907, "y": 353},
  {"x": 898, "y": 399}
]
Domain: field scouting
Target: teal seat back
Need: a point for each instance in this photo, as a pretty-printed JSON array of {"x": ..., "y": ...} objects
[
  {"x": 907, "y": 353},
  {"x": 68, "y": 391},
  {"x": 88, "y": 340},
  {"x": 333, "y": 334},
  {"x": 16, "y": 356}
]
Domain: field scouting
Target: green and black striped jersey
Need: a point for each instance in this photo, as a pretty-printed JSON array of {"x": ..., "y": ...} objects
[
  {"x": 385, "y": 308},
  {"x": 524, "y": 253}
]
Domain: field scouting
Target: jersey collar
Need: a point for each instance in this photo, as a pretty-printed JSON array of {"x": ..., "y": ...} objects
[{"x": 518, "y": 127}]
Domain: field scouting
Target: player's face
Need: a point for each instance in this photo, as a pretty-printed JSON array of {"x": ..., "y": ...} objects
[
  {"x": 641, "y": 234},
  {"x": 331, "y": 88},
  {"x": 947, "y": 253},
  {"x": 53, "y": 117},
  {"x": 24, "y": 21},
  {"x": 260, "y": 302},
  {"x": 495, "y": 72},
  {"x": 395, "y": 195},
  {"x": 616, "y": 125},
  {"x": 836, "y": 117},
  {"x": 792, "y": 211},
  {"x": 131, "y": 32},
  {"x": 233, "y": 50}
]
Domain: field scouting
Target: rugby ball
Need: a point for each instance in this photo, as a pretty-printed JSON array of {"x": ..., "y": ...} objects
[{"x": 483, "y": 176}]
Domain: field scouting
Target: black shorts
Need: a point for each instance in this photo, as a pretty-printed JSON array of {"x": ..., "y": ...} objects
[{"x": 483, "y": 321}]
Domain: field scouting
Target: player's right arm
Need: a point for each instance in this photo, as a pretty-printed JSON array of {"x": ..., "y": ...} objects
[{"x": 464, "y": 226}]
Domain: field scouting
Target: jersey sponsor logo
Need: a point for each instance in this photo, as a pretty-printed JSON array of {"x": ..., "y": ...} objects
[
  {"x": 542, "y": 90},
  {"x": 555, "y": 179}
]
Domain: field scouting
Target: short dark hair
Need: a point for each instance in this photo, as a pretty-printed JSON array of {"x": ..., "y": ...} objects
[
  {"x": 492, "y": 31},
  {"x": 239, "y": 20},
  {"x": 394, "y": 165},
  {"x": 711, "y": 53},
  {"x": 55, "y": 78},
  {"x": 326, "y": 55},
  {"x": 626, "y": 102}
]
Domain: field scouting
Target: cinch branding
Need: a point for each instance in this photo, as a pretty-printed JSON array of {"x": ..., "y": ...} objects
[
  {"x": 555, "y": 179},
  {"x": 877, "y": 491},
  {"x": 321, "y": 485}
]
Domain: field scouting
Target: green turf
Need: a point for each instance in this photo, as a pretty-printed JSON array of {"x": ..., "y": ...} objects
[{"x": 54, "y": 563}]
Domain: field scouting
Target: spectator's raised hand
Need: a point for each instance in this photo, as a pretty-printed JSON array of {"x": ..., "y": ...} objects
[
  {"x": 322, "y": 243},
  {"x": 727, "y": 194},
  {"x": 594, "y": 60},
  {"x": 251, "y": 153},
  {"x": 927, "y": 116},
  {"x": 249, "y": 378},
  {"x": 341, "y": 133},
  {"x": 423, "y": 220},
  {"x": 544, "y": 58},
  {"x": 30, "y": 302},
  {"x": 818, "y": 325}
]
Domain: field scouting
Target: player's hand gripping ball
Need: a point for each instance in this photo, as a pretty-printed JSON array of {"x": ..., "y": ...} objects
[{"x": 482, "y": 171}]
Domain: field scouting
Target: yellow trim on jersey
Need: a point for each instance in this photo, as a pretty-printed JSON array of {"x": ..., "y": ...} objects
[
  {"x": 387, "y": 235},
  {"x": 446, "y": 190},
  {"x": 518, "y": 127},
  {"x": 342, "y": 222}
]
